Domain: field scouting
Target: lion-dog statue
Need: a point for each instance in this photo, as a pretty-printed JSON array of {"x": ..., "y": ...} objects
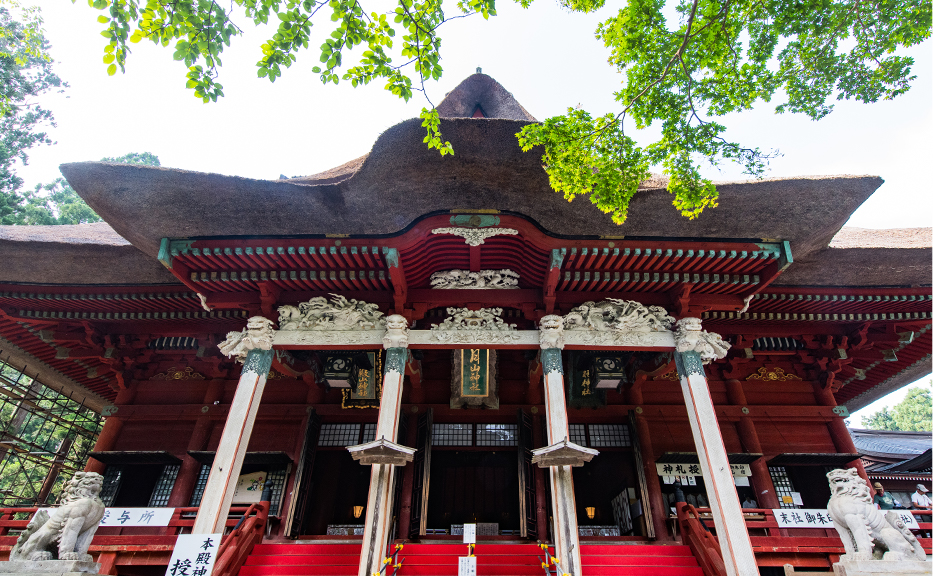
[
  {"x": 66, "y": 533},
  {"x": 867, "y": 532}
]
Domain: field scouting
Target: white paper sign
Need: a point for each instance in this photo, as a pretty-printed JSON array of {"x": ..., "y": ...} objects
[
  {"x": 820, "y": 518},
  {"x": 249, "y": 488},
  {"x": 119, "y": 517},
  {"x": 194, "y": 555},
  {"x": 469, "y": 534},
  {"x": 695, "y": 470},
  {"x": 466, "y": 565},
  {"x": 803, "y": 518}
]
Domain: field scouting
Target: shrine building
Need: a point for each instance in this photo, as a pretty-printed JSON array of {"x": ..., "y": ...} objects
[{"x": 409, "y": 343}]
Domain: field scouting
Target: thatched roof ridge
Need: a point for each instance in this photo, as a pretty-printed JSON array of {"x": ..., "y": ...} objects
[
  {"x": 480, "y": 92},
  {"x": 332, "y": 176},
  {"x": 402, "y": 180}
]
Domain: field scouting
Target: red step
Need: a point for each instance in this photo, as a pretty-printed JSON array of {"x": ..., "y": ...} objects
[
  {"x": 635, "y": 550},
  {"x": 303, "y": 559},
  {"x": 304, "y": 549},
  {"x": 491, "y": 560}
]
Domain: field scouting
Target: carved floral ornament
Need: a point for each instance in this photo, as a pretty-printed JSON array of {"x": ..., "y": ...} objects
[
  {"x": 773, "y": 374},
  {"x": 475, "y": 236},
  {"x": 482, "y": 280},
  {"x": 176, "y": 374},
  {"x": 465, "y": 326}
]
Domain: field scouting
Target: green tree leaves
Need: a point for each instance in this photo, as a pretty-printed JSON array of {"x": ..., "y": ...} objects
[
  {"x": 25, "y": 72},
  {"x": 583, "y": 155},
  {"x": 684, "y": 63},
  {"x": 914, "y": 413}
]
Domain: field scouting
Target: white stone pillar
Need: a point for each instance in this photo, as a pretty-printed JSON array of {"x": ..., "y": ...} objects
[
  {"x": 253, "y": 347},
  {"x": 563, "y": 504},
  {"x": 381, "y": 483},
  {"x": 696, "y": 347}
]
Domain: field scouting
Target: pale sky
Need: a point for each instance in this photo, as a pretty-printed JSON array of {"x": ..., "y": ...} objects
[{"x": 547, "y": 57}]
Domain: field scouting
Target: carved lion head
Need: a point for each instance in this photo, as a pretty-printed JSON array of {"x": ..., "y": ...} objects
[
  {"x": 847, "y": 482},
  {"x": 552, "y": 322},
  {"x": 82, "y": 485},
  {"x": 396, "y": 322}
]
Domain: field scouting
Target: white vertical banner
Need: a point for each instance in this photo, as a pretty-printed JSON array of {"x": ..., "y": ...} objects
[
  {"x": 194, "y": 555},
  {"x": 469, "y": 533},
  {"x": 466, "y": 566}
]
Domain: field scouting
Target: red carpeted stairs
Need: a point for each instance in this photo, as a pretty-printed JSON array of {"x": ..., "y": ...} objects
[
  {"x": 303, "y": 559},
  {"x": 638, "y": 560},
  {"x": 492, "y": 560}
]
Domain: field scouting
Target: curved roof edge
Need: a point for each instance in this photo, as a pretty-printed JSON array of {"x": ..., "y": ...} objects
[
  {"x": 916, "y": 371},
  {"x": 86, "y": 254}
]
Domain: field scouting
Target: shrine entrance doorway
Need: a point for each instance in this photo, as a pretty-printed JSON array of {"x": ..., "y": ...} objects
[
  {"x": 477, "y": 472},
  {"x": 331, "y": 488},
  {"x": 474, "y": 486}
]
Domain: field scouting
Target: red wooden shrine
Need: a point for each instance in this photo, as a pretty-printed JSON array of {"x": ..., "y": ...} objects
[{"x": 127, "y": 317}]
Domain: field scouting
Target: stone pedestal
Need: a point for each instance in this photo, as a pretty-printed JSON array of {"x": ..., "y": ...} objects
[
  {"x": 846, "y": 567},
  {"x": 49, "y": 568}
]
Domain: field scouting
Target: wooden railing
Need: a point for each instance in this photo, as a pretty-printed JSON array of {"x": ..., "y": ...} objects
[
  {"x": 239, "y": 543},
  {"x": 803, "y": 547},
  {"x": 704, "y": 546},
  {"x": 126, "y": 546}
]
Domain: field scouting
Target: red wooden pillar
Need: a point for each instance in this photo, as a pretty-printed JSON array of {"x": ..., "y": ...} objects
[
  {"x": 108, "y": 563},
  {"x": 541, "y": 503},
  {"x": 659, "y": 508},
  {"x": 408, "y": 481},
  {"x": 191, "y": 468},
  {"x": 105, "y": 442},
  {"x": 107, "y": 439},
  {"x": 748, "y": 435},
  {"x": 839, "y": 434}
]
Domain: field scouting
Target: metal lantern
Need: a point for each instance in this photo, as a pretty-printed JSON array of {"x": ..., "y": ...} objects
[
  {"x": 342, "y": 370},
  {"x": 339, "y": 371},
  {"x": 608, "y": 371}
]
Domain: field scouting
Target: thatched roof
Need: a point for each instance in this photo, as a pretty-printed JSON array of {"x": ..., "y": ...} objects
[
  {"x": 82, "y": 254},
  {"x": 864, "y": 257},
  {"x": 401, "y": 181}
]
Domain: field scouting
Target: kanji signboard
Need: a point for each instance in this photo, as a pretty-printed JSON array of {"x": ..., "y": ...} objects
[
  {"x": 122, "y": 517},
  {"x": 695, "y": 470},
  {"x": 194, "y": 555},
  {"x": 820, "y": 518}
]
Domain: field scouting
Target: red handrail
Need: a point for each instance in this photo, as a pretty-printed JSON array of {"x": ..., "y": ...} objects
[
  {"x": 239, "y": 543},
  {"x": 704, "y": 546}
]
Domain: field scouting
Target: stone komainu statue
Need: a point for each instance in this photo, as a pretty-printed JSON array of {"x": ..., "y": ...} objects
[
  {"x": 866, "y": 532},
  {"x": 66, "y": 533}
]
